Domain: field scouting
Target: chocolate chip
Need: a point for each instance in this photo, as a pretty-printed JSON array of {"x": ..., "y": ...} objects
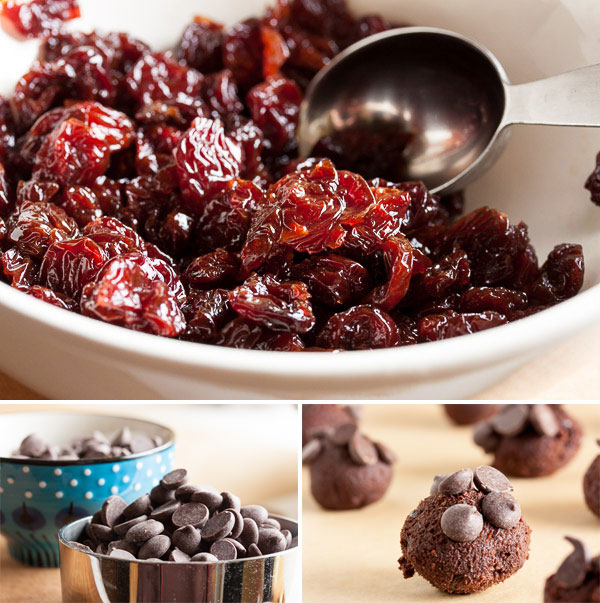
[
  {"x": 241, "y": 550},
  {"x": 97, "y": 451},
  {"x": 144, "y": 531},
  {"x": 288, "y": 538},
  {"x": 385, "y": 454},
  {"x": 190, "y": 514},
  {"x": 361, "y": 450},
  {"x": 342, "y": 434},
  {"x": 436, "y": 482},
  {"x": 102, "y": 548},
  {"x": 174, "y": 479},
  {"x": 271, "y": 540},
  {"x": 238, "y": 526},
  {"x": 179, "y": 556},
  {"x": 187, "y": 539},
  {"x": 501, "y": 510},
  {"x": 462, "y": 523},
  {"x": 573, "y": 569},
  {"x": 160, "y": 495},
  {"x": 212, "y": 499},
  {"x": 311, "y": 451},
  {"x": 123, "y": 438},
  {"x": 230, "y": 501},
  {"x": 256, "y": 512},
  {"x": 141, "y": 443},
  {"x": 100, "y": 533},
  {"x": 511, "y": 420},
  {"x": 249, "y": 533},
  {"x": 204, "y": 557},
  {"x": 157, "y": 546},
  {"x": 121, "y": 554},
  {"x": 270, "y": 523},
  {"x": 254, "y": 551},
  {"x": 97, "y": 517},
  {"x": 544, "y": 420},
  {"x": 489, "y": 479},
  {"x": 33, "y": 446},
  {"x": 112, "y": 508},
  {"x": 140, "y": 506},
  {"x": 122, "y": 545},
  {"x": 165, "y": 511},
  {"x": 485, "y": 436},
  {"x": 218, "y": 526},
  {"x": 122, "y": 528},
  {"x": 456, "y": 483},
  {"x": 224, "y": 550},
  {"x": 184, "y": 493}
]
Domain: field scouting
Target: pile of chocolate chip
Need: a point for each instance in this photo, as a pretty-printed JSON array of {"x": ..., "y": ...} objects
[
  {"x": 513, "y": 420},
  {"x": 182, "y": 522},
  {"x": 361, "y": 449},
  {"x": 96, "y": 446},
  {"x": 577, "y": 567},
  {"x": 463, "y": 522}
]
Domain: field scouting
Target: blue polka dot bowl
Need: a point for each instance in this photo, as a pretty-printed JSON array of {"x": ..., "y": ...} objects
[{"x": 38, "y": 497}]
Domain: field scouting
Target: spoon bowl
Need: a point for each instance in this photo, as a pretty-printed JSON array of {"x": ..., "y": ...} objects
[{"x": 422, "y": 103}]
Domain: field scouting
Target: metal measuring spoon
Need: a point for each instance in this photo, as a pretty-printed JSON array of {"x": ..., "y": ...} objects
[{"x": 443, "y": 99}]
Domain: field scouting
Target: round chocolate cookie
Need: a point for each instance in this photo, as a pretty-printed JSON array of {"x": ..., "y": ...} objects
[
  {"x": 530, "y": 440},
  {"x": 347, "y": 469},
  {"x": 466, "y": 414},
  {"x": 591, "y": 485},
  {"x": 463, "y": 540},
  {"x": 577, "y": 579},
  {"x": 325, "y": 417}
]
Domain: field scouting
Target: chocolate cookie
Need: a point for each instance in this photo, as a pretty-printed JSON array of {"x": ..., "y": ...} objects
[
  {"x": 325, "y": 417},
  {"x": 466, "y": 414},
  {"x": 577, "y": 578},
  {"x": 530, "y": 440},
  {"x": 347, "y": 469},
  {"x": 462, "y": 539},
  {"x": 591, "y": 485}
]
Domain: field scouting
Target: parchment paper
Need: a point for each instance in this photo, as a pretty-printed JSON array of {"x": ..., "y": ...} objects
[{"x": 351, "y": 556}]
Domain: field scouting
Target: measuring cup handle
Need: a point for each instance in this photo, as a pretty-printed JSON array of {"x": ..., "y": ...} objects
[{"x": 569, "y": 99}]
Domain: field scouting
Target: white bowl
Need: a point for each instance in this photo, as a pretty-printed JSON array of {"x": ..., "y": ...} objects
[{"x": 538, "y": 180}]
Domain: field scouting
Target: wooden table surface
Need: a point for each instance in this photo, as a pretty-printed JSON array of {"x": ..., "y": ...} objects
[
  {"x": 266, "y": 473},
  {"x": 351, "y": 556},
  {"x": 566, "y": 372}
]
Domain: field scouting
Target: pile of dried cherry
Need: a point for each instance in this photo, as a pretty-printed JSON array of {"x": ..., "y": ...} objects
[{"x": 161, "y": 191}]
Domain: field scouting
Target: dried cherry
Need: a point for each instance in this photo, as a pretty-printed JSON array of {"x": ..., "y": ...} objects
[
  {"x": 19, "y": 269},
  {"x": 51, "y": 297},
  {"x": 37, "y": 18},
  {"x": 452, "y": 324},
  {"x": 200, "y": 45}
]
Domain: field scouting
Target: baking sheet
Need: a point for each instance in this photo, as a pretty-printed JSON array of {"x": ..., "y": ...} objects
[{"x": 351, "y": 556}]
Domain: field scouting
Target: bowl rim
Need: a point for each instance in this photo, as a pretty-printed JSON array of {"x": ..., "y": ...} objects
[
  {"x": 504, "y": 342},
  {"x": 62, "y": 541},
  {"x": 99, "y": 461}
]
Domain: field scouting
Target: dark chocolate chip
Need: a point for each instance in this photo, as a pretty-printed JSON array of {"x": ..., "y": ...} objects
[
  {"x": 165, "y": 511},
  {"x": 159, "y": 495},
  {"x": 288, "y": 538},
  {"x": 361, "y": 450},
  {"x": 255, "y": 512},
  {"x": 485, "y": 436},
  {"x": 462, "y": 523},
  {"x": 102, "y": 548},
  {"x": 157, "y": 546},
  {"x": 574, "y": 568},
  {"x": 140, "y": 506},
  {"x": 385, "y": 454},
  {"x": 254, "y": 551},
  {"x": 270, "y": 522},
  {"x": 271, "y": 540},
  {"x": 184, "y": 493},
  {"x": 122, "y": 528},
  {"x": 311, "y": 451},
  {"x": 141, "y": 443},
  {"x": 436, "y": 482},
  {"x": 187, "y": 539},
  {"x": 211, "y": 498},
  {"x": 238, "y": 526},
  {"x": 249, "y": 533},
  {"x": 241, "y": 549},
  {"x": 97, "y": 517},
  {"x": 190, "y": 514},
  {"x": 544, "y": 420},
  {"x": 174, "y": 479},
  {"x": 179, "y": 556},
  {"x": 230, "y": 501},
  {"x": 100, "y": 533},
  {"x": 224, "y": 550},
  {"x": 33, "y": 446},
  {"x": 144, "y": 531},
  {"x": 501, "y": 509},
  {"x": 112, "y": 508},
  {"x": 123, "y": 545},
  {"x": 123, "y": 438},
  {"x": 511, "y": 420},
  {"x": 489, "y": 479},
  {"x": 218, "y": 526},
  {"x": 121, "y": 554},
  {"x": 456, "y": 483},
  {"x": 341, "y": 435},
  {"x": 204, "y": 557}
]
